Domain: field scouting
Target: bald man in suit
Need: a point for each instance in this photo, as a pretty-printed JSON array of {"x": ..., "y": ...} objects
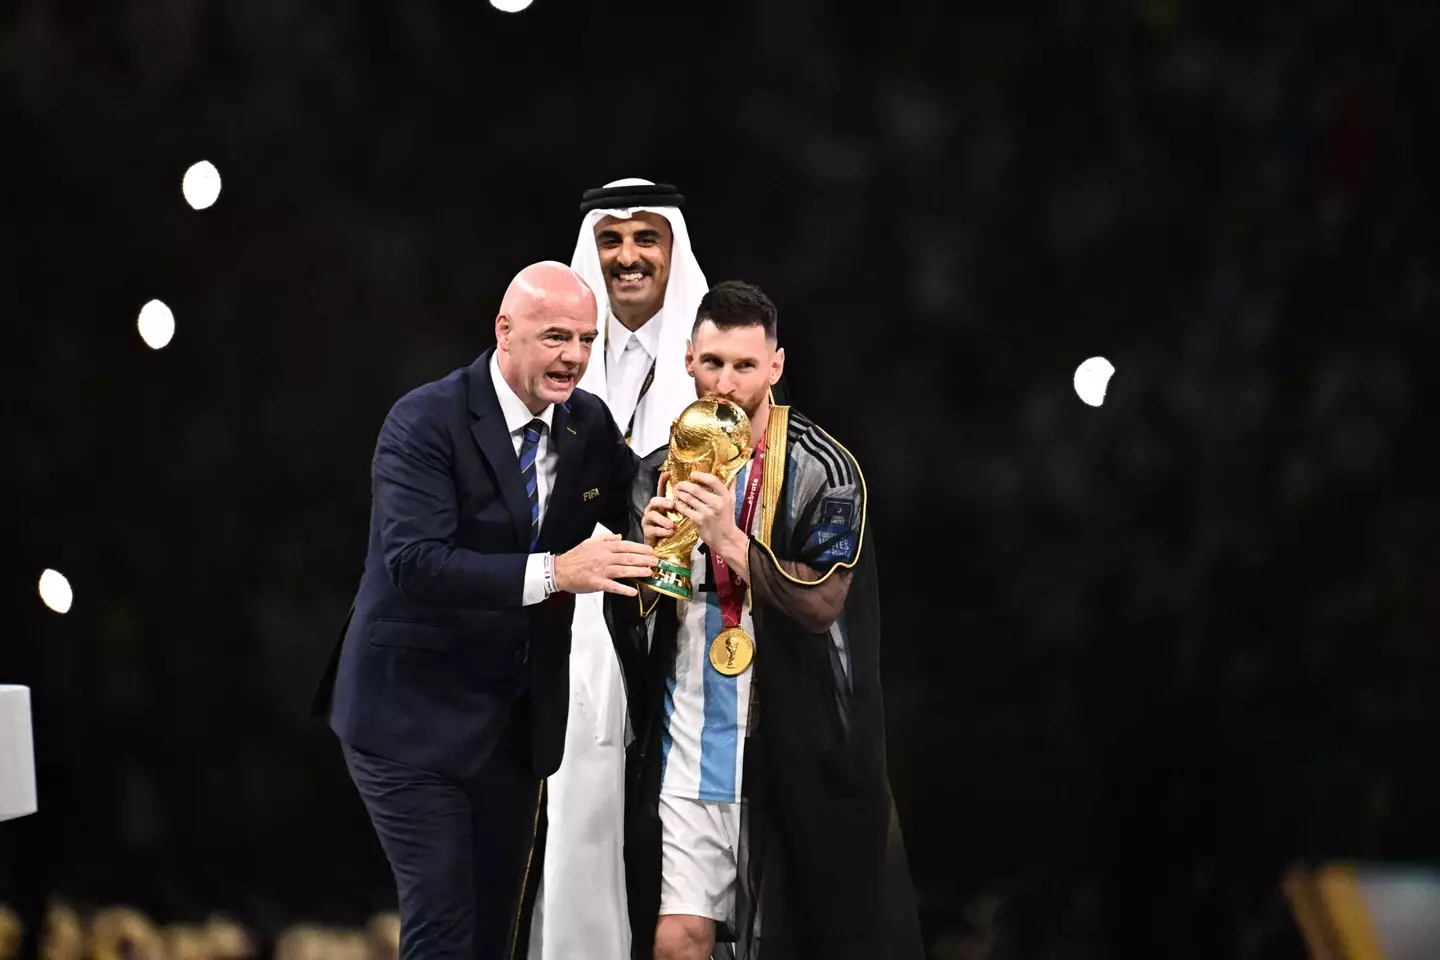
[{"x": 449, "y": 687}]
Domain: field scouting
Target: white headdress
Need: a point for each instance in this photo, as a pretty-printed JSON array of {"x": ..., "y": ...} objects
[{"x": 673, "y": 388}]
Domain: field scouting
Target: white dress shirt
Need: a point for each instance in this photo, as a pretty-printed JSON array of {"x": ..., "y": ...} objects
[
  {"x": 547, "y": 458},
  {"x": 628, "y": 357}
]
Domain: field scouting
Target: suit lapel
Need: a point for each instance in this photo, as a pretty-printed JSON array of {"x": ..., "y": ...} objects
[
  {"x": 494, "y": 441},
  {"x": 568, "y": 435}
]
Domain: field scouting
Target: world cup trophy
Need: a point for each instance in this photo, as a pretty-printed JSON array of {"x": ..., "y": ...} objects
[{"x": 711, "y": 436}]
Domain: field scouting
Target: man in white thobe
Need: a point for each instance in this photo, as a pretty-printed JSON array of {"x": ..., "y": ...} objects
[{"x": 634, "y": 252}]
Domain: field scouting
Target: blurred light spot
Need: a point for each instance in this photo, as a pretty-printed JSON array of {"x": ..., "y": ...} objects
[
  {"x": 55, "y": 591},
  {"x": 201, "y": 185},
  {"x": 509, "y": 6},
  {"x": 157, "y": 324},
  {"x": 1091, "y": 379}
]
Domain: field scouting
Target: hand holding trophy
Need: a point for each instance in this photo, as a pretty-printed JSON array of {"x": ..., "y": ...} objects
[{"x": 712, "y": 436}]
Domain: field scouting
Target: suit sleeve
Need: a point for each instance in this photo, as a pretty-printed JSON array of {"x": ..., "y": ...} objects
[{"x": 417, "y": 513}]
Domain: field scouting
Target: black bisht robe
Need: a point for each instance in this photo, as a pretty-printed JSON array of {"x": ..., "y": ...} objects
[{"x": 821, "y": 850}]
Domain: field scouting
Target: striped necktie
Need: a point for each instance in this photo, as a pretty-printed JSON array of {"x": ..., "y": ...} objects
[{"x": 529, "y": 448}]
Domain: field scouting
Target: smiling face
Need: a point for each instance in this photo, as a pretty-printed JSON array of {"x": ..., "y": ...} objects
[{"x": 635, "y": 258}]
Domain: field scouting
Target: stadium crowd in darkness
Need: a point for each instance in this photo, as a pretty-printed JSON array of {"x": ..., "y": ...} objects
[{"x": 125, "y": 933}]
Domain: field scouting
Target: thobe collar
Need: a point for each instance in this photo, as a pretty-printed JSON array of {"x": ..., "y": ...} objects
[{"x": 618, "y": 336}]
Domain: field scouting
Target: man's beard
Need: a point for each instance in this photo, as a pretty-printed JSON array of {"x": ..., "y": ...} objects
[{"x": 751, "y": 406}]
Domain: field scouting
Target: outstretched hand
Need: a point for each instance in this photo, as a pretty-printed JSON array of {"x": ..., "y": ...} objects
[{"x": 601, "y": 563}]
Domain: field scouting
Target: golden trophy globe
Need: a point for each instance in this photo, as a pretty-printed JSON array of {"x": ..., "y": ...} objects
[{"x": 711, "y": 436}]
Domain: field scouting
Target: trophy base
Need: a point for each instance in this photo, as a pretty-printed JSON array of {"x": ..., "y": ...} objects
[{"x": 671, "y": 580}]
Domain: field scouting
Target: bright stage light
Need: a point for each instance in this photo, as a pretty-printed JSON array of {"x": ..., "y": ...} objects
[
  {"x": 510, "y": 6},
  {"x": 157, "y": 324},
  {"x": 201, "y": 185},
  {"x": 55, "y": 591},
  {"x": 1091, "y": 379}
]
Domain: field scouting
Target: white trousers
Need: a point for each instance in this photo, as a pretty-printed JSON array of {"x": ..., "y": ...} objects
[{"x": 580, "y": 908}]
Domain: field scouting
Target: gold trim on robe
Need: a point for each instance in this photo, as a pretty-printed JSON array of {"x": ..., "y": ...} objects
[{"x": 776, "y": 435}]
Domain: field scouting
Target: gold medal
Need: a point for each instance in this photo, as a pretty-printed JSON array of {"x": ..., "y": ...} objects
[{"x": 731, "y": 651}]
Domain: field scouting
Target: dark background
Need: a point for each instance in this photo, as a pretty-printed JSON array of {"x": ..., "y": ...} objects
[{"x": 1140, "y": 657}]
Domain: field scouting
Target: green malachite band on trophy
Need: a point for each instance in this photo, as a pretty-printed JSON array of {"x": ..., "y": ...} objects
[{"x": 672, "y": 580}]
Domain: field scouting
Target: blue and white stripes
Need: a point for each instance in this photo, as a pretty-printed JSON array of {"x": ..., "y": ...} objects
[
  {"x": 706, "y": 712},
  {"x": 529, "y": 447}
]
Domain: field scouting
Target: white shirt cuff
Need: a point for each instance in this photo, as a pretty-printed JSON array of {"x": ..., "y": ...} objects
[{"x": 535, "y": 588}]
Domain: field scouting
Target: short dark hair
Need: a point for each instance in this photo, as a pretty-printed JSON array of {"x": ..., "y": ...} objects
[{"x": 735, "y": 303}]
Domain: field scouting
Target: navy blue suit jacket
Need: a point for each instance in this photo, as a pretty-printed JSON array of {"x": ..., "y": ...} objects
[{"x": 433, "y": 655}]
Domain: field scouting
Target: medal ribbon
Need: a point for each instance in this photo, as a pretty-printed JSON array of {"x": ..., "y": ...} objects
[{"x": 728, "y": 586}]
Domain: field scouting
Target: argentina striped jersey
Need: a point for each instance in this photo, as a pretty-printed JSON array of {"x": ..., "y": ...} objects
[{"x": 706, "y": 713}]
